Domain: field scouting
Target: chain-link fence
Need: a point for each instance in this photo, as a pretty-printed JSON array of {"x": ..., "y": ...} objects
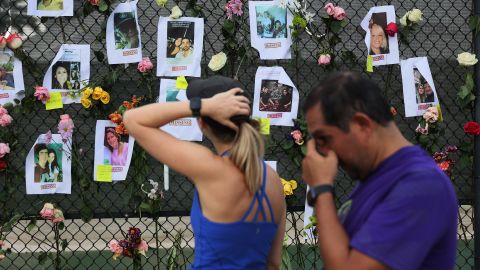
[{"x": 442, "y": 34}]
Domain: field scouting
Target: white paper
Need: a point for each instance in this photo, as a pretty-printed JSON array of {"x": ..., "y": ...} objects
[
  {"x": 385, "y": 48},
  {"x": 419, "y": 91},
  {"x": 48, "y": 166},
  {"x": 275, "y": 97},
  {"x": 269, "y": 29},
  {"x": 309, "y": 235},
  {"x": 50, "y": 8},
  {"x": 71, "y": 66},
  {"x": 180, "y": 45},
  {"x": 11, "y": 77},
  {"x": 272, "y": 164},
  {"x": 124, "y": 43},
  {"x": 107, "y": 150},
  {"x": 185, "y": 128}
]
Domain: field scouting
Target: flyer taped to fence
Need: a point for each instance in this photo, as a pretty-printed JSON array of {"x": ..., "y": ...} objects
[
  {"x": 69, "y": 72},
  {"x": 180, "y": 45},
  {"x": 11, "y": 77},
  {"x": 124, "y": 43},
  {"x": 50, "y": 8},
  {"x": 113, "y": 153},
  {"x": 185, "y": 128},
  {"x": 48, "y": 166},
  {"x": 275, "y": 96},
  {"x": 269, "y": 29}
]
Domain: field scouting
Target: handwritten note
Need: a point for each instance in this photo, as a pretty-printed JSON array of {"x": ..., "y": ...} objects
[
  {"x": 104, "y": 173},
  {"x": 55, "y": 101}
]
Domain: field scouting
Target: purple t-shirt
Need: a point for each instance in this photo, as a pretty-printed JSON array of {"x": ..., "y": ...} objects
[{"x": 404, "y": 214}]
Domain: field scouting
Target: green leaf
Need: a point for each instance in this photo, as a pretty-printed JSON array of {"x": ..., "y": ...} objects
[
  {"x": 286, "y": 260},
  {"x": 32, "y": 224},
  {"x": 463, "y": 93},
  {"x": 87, "y": 9},
  {"x": 103, "y": 6},
  {"x": 146, "y": 207},
  {"x": 42, "y": 258},
  {"x": 303, "y": 148},
  {"x": 64, "y": 244},
  {"x": 61, "y": 226},
  {"x": 336, "y": 26},
  {"x": 288, "y": 145},
  {"x": 86, "y": 213},
  {"x": 229, "y": 27},
  {"x": 469, "y": 83}
]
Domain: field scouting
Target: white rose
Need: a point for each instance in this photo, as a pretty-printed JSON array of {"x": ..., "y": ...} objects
[
  {"x": 161, "y": 3},
  {"x": 415, "y": 15},
  {"x": 467, "y": 59},
  {"x": 176, "y": 12},
  {"x": 218, "y": 61},
  {"x": 403, "y": 20}
]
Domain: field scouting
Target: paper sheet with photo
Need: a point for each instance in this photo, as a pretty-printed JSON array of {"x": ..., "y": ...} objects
[
  {"x": 180, "y": 45},
  {"x": 275, "y": 96},
  {"x": 382, "y": 47},
  {"x": 11, "y": 77},
  {"x": 69, "y": 72},
  {"x": 50, "y": 8},
  {"x": 123, "y": 37},
  {"x": 112, "y": 149},
  {"x": 185, "y": 128},
  {"x": 269, "y": 29},
  {"x": 309, "y": 235},
  {"x": 419, "y": 91},
  {"x": 48, "y": 166}
]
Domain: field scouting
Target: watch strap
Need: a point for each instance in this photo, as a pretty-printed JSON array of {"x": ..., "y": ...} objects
[
  {"x": 315, "y": 191},
  {"x": 195, "y": 106}
]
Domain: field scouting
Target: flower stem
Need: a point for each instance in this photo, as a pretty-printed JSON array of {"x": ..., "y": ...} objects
[
  {"x": 57, "y": 247},
  {"x": 157, "y": 250}
]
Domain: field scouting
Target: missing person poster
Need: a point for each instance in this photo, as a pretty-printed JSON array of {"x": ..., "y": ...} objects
[
  {"x": 418, "y": 87},
  {"x": 180, "y": 45},
  {"x": 48, "y": 166},
  {"x": 69, "y": 72},
  {"x": 382, "y": 47},
  {"x": 269, "y": 30},
  {"x": 50, "y": 8},
  {"x": 124, "y": 43},
  {"x": 11, "y": 78},
  {"x": 113, "y": 151},
  {"x": 185, "y": 128},
  {"x": 275, "y": 97}
]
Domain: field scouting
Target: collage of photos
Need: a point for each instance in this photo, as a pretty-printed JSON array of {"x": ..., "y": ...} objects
[
  {"x": 271, "y": 21},
  {"x": 7, "y": 81},
  {"x": 378, "y": 38},
  {"x": 275, "y": 96},
  {"x": 125, "y": 29},
  {"x": 48, "y": 163},
  {"x": 180, "y": 42},
  {"x": 66, "y": 75},
  {"x": 56, "y": 5},
  {"x": 423, "y": 91},
  {"x": 115, "y": 150}
]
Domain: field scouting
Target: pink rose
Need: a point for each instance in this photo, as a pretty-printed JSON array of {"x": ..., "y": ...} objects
[
  {"x": 339, "y": 13},
  {"x": 324, "y": 59},
  {"x": 14, "y": 41},
  {"x": 145, "y": 65},
  {"x": 57, "y": 216},
  {"x": 5, "y": 120},
  {"x": 3, "y": 111},
  {"x": 47, "y": 211},
  {"x": 4, "y": 149},
  {"x": 143, "y": 246},
  {"x": 3, "y": 42},
  {"x": 115, "y": 247},
  {"x": 330, "y": 9},
  {"x": 94, "y": 2},
  {"x": 41, "y": 93}
]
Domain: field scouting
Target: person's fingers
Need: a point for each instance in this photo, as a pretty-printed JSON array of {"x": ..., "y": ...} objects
[
  {"x": 242, "y": 99},
  {"x": 235, "y": 91},
  {"x": 311, "y": 149}
]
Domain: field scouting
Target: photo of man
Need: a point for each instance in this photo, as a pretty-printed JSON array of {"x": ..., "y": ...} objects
[
  {"x": 275, "y": 96},
  {"x": 180, "y": 41},
  {"x": 423, "y": 90},
  {"x": 48, "y": 163},
  {"x": 271, "y": 21},
  {"x": 125, "y": 29},
  {"x": 50, "y": 5},
  {"x": 7, "y": 81},
  {"x": 378, "y": 39}
]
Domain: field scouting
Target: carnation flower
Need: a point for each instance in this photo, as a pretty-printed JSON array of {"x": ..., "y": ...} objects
[{"x": 41, "y": 93}]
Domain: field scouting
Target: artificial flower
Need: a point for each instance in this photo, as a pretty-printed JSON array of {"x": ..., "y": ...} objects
[
  {"x": 391, "y": 29},
  {"x": 57, "y": 216},
  {"x": 415, "y": 15},
  {"x": 3, "y": 164},
  {"x": 120, "y": 129},
  {"x": 105, "y": 98},
  {"x": 431, "y": 115},
  {"x": 94, "y": 2},
  {"x": 41, "y": 93},
  {"x": 176, "y": 12},
  {"x": 145, "y": 65},
  {"x": 467, "y": 59},
  {"x": 5, "y": 120},
  {"x": 3, "y": 42},
  {"x": 87, "y": 92},
  {"x": 472, "y": 128},
  {"x": 4, "y": 149},
  {"x": 86, "y": 103},
  {"x": 161, "y": 3},
  {"x": 234, "y": 7},
  {"x": 65, "y": 126},
  {"x": 47, "y": 211},
  {"x": 288, "y": 186},
  {"x": 329, "y": 9},
  {"x": 97, "y": 93},
  {"x": 339, "y": 13},
  {"x": 14, "y": 41},
  {"x": 115, "y": 117},
  {"x": 218, "y": 61},
  {"x": 324, "y": 59},
  {"x": 422, "y": 130}
]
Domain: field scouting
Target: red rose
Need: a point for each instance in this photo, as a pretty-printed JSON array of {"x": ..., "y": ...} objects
[
  {"x": 472, "y": 128},
  {"x": 391, "y": 29},
  {"x": 3, "y": 164}
]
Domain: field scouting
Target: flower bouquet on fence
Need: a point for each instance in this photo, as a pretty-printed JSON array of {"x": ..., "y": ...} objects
[
  {"x": 133, "y": 246},
  {"x": 117, "y": 116}
]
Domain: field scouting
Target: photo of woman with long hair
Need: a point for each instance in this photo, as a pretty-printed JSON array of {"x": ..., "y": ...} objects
[
  {"x": 60, "y": 75},
  {"x": 117, "y": 149},
  {"x": 53, "y": 168}
]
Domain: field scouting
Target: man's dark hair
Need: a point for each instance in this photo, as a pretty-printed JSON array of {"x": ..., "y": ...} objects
[
  {"x": 344, "y": 93},
  {"x": 39, "y": 147}
]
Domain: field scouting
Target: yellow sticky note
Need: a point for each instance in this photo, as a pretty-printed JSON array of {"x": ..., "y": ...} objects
[
  {"x": 440, "y": 114},
  {"x": 264, "y": 125},
  {"x": 55, "y": 101},
  {"x": 104, "y": 173},
  {"x": 369, "y": 63},
  {"x": 181, "y": 83}
]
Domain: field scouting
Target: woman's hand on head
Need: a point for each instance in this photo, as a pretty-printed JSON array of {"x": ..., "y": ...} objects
[{"x": 223, "y": 106}]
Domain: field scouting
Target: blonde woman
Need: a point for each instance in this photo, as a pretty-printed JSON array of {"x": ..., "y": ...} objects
[
  {"x": 378, "y": 40},
  {"x": 238, "y": 211}
]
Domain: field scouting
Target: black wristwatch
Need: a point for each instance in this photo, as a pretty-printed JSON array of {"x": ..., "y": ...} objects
[
  {"x": 195, "y": 106},
  {"x": 313, "y": 193}
]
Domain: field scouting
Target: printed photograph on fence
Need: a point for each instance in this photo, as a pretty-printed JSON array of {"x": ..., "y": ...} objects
[
  {"x": 275, "y": 97},
  {"x": 185, "y": 128},
  {"x": 418, "y": 87},
  {"x": 69, "y": 72},
  {"x": 123, "y": 35},
  {"x": 180, "y": 45},
  {"x": 11, "y": 78},
  {"x": 50, "y": 8},
  {"x": 382, "y": 47},
  {"x": 269, "y": 30},
  {"x": 113, "y": 151},
  {"x": 48, "y": 166}
]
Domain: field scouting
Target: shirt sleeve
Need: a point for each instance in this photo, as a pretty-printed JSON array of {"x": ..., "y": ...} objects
[{"x": 404, "y": 227}]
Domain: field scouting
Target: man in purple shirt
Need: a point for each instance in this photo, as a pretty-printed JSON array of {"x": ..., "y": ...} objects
[{"x": 403, "y": 212}]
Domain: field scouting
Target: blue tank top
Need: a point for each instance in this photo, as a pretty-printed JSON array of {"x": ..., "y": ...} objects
[{"x": 235, "y": 245}]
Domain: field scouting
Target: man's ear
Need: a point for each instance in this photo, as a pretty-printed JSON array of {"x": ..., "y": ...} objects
[{"x": 365, "y": 124}]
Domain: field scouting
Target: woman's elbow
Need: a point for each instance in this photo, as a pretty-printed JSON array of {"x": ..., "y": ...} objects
[{"x": 129, "y": 121}]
